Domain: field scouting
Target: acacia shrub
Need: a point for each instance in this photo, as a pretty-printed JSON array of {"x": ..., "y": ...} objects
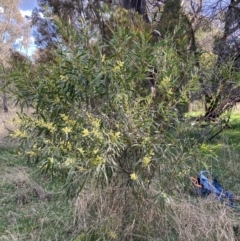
[{"x": 95, "y": 120}]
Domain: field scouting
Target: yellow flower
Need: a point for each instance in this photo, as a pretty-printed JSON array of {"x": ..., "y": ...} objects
[
  {"x": 85, "y": 132},
  {"x": 116, "y": 68},
  {"x": 80, "y": 150},
  {"x": 71, "y": 122},
  {"x": 64, "y": 117},
  {"x": 97, "y": 134},
  {"x": 81, "y": 169},
  {"x": 120, "y": 63},
  {"x": 46, "y": 141},
  {"x": 34, "y": 147},
  {"x": 51, "y": 160},
  {"x": 69, "y": 162},
  {"x": 117, "y": 134},
  {"x": 30, "y": 153},
  {"x": 133, "y": 176},
  {"x": 164, "y": 195},
  {"x": 69, "y": 146},
  {"x": 98, "y": 160},
  {"x": 103, "y": 58},
  {"x": 67, "y": 130},
  {"x": 19, "y": 134},
  {"x": 62, "y": 77},
  {"x": 56, "y": 100},
  {"x": 114, "y": 136},
  {"x": 113, "y": 235},
  {"x": 51, "y": 127},
  {"x": 146, "y": 161},
  {"x": 96, "y": 123}
]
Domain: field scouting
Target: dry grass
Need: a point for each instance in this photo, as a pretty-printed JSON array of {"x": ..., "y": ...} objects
[
  {"x": 6, "y": 122},
  {"x": 104, "y": 214},
  {"x": 117, "y": 214},
  {"x": 26, "y": 190},
  {"x": 205, "y": 220}
]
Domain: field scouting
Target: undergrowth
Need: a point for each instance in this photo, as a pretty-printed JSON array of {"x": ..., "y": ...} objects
[{"x": 31, "y": 205}]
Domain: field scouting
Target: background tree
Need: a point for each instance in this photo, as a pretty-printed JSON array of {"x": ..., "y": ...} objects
[
  {"x": 13, "y": 33},
  {"x": 73, "y": 13},
  {"x": 224, "y": 87}
]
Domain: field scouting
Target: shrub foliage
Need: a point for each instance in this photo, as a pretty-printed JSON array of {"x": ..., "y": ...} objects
[{"x": 94, "y": 114}]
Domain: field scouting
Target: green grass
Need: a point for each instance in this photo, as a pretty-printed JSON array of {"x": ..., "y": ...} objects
[
  {"x": 232, "y": 134},
  {"x": 221, "y": 155},
  {"x": 31, "y": 205},
  {"x": 227, "y": 148}
]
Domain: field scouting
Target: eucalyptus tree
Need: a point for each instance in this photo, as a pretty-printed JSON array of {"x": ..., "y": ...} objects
[
  {"x": 13, "y": 32},
  {"x": 139, "y": 5},
  {"x": 224, "y": 91}
]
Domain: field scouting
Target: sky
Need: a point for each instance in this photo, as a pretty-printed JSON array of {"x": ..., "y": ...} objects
[
  {"x": 28, "y": 4},
  {"x": 26, "y": 7}
]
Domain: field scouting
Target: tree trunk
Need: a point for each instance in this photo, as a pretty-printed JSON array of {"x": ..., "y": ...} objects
[
  {"x": 4, "y": 97},
  {"x": 211, "y": 106},
  {"x": 5, "y": 102}
]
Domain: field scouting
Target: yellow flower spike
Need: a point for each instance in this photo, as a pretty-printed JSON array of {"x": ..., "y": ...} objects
[
  {"x": 71, "y": 122},
  {"x": 133, "y": 176},
  {"x": 19, "y": 134},
  {"x": 69, "y": 161},
  {"x": 97, "y": 134},
  {"x": 63, "y": 77},
  {"x": 80, "y": 149},
  {"x": 114, "y": 136},
  {"x": 120, "y": 64},
  {"x": 85, "y": 132},
  {"x": 98, "y": 160},
  {"x": 146, "y": 161},
  {"x": 34, "y": 147},
  {"x": 164, "y": 195},
  {"x": 64, "y": 117},
  {"x": 69, "y": 146},
  {"x": 113, "y": 235},
  {"x": 67, "y": 130},
  {"x": 51, "y": 160},
  {"x": 116, "y": 68},
  {"x": 117, "y": 134},
  {"x": 51, "y": 127},
  {"x": 56, "y": 100},
  {"x": 103, "y": 58},
  {"x": 96, "y": 123},
  {"x": 30, "y": 153}
]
